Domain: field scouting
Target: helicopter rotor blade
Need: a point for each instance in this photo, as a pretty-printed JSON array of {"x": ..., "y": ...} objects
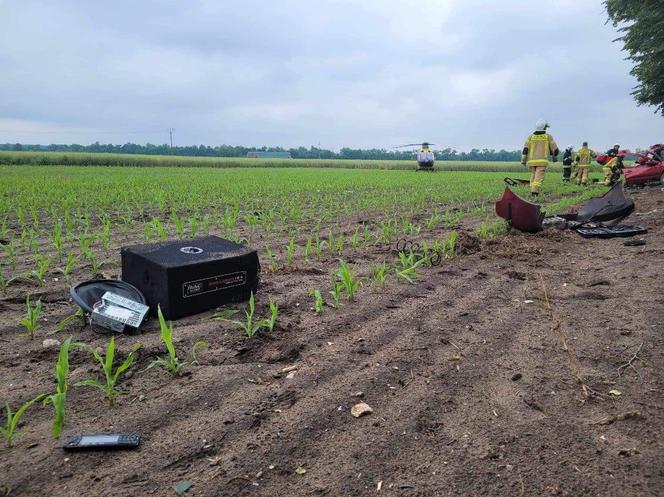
[{"x": 412, "y": 145}]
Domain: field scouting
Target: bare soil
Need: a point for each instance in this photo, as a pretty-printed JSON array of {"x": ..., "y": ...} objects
[{"x": 470, "y": 376}]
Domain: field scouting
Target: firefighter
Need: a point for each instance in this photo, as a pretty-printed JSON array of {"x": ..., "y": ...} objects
[
  {"x": 613, "y": 169},
  {"x": 613, "y": 152},
  {"x": 536, "y": 153},
  {"x": 567, "y": 162},
  {"x": 583, "y": 159}
]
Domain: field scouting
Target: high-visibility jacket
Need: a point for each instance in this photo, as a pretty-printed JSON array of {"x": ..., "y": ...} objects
[
  {"x": 538, "y": 147},
  {"x": 585, "y": 156}
]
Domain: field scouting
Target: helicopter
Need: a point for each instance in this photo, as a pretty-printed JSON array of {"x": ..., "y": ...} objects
[{"x": 425, "y": 157}]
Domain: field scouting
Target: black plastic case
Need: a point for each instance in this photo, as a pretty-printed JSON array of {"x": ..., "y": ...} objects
[{"x": 186, "y": 277}]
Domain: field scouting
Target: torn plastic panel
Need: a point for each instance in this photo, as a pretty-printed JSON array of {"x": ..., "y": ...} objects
[
  {"x": 519, "y": 213},
  {"x": 610, "y": 208}
]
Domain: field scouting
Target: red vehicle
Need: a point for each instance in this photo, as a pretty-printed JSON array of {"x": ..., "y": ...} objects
[{"x": 648, "y": 167}]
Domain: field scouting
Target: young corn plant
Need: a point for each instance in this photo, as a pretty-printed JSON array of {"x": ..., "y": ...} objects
[
  {"x": 433, "y": 221},
  {"x": 9, "y": 431},
  {"x": 250, "y": 325},
  {"x": 105, "y": 236},
  {"x": 59, "y": 398},
  {"x": 351, "y": 283},
  {"x": 172, "y": 363},
  {"x": 409, "y": 266},
  {"x": 68, "y": 267},
  {"x": 450, "y": 245},
  {"x": 271, "y": 321},
  {"x": 31, "y": 319},
  {"x": 290, "y": 252},
  {"x": 42, "y": 268},
  {"x": 111, "y": 374},
  {"x": 335, "y": 293},
  {"x": 57, "y": 240},
  {"x": 178, "y": 222},
  {"x": 274, "y": 264},
  {"x": 10, "y": 249},
  {"x": 452, "y": 218},
  {"x": 379, "y": 273},
  {"x": 319, "y": 303},
  {"x": 67, "y": 321}
]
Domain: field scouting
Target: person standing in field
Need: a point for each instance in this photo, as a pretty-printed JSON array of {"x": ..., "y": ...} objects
[
  {"x": 536, "y": 151},
  {"x": 583, "y": 159},
  {"x": 567, "y": 163}
]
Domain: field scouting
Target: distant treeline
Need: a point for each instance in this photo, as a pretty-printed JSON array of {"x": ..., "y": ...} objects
[{"x": 296, "y": 153}]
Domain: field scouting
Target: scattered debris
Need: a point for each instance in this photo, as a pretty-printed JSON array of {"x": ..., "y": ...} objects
[
  {"x": 290, "y": 375},
  {"x": 359, "y": 395},
  {"x": 404, "y": 486},
  {"x": 288, "y": 369},
  {"x": 300, "y": 470},
  {"x": 379, "y": 486},
  {"x": 182, "y": 487},
  {"x": 619, "y": 417},
  {"x": 615, "y": 393},
  {"x": 517, "y": 376},
  {"x": 634, "y": 243},
  {"x": 361, "y": 409}
]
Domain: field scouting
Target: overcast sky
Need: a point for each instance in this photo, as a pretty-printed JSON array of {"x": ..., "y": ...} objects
[{"x": 358, "y": 73}]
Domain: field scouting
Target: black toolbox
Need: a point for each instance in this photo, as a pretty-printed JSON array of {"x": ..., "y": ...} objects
[{"x": 186, "y": 277}]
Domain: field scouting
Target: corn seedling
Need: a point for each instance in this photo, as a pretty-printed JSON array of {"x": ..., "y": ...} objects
[
  {"x": 105, "y": 237},
  {"x": 409, "y": 265},
  {"x": 452, "y": 218},
  {"x": 111, "y": 375},
  {"x": 274, "y": 265},
  {"x": 31, "y": 319},
  {"x": 271, "y": 321},
  {"x": 449, "y": 248},
  {"x": 387, "y": 231},
  {"x": 351, "y": 283},
  {"x": 68, "y": 267},
  {"x": 42, "y": 268},
  {"x": 487, "y": 231},
  {"x": 319, "y": 303},
  {"x": 67, "y": 321},
  {"x": 433, "y": 221},
  {"x": 354, "y": 239},
  {"x": 379, "y": 273},
  {"x": 59, "y": 398},
  {"x": 194, "y": 225},
  {"x": 160, "y": 229},
  {"x": 290, "y": 252},
  {"x": 10, "y": 248},
  {"x": 12, "y": 420},
  {"x": 57, "y": 240},
  {"x": 307, "y": 249},
  {"x": 250, "y": 325},
  {"x": 172, "y": 363},
  {"x": 178, "y": 222},
  {"x": 337, "y": 287}
]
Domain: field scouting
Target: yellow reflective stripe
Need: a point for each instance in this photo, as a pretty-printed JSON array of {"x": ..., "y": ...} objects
[{"x": 538, "y": 161}]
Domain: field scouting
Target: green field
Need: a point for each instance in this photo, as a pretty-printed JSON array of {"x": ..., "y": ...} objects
[
  {"x": 50, "y": 213},
  {"x": 136, "y": 160}
]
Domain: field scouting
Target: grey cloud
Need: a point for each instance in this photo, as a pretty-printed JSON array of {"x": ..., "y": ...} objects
[{"x": 343, "y": 72}]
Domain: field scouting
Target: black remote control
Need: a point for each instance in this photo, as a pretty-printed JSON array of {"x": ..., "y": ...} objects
[{"x": 102, "y": 441}]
